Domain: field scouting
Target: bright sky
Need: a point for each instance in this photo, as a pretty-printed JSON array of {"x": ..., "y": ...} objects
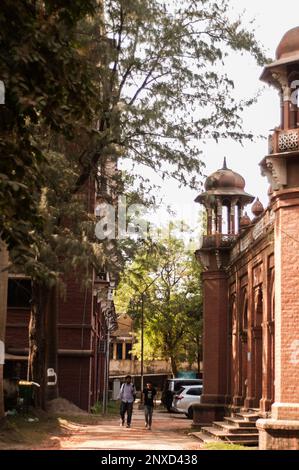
[{"x": 272, "y": 20}]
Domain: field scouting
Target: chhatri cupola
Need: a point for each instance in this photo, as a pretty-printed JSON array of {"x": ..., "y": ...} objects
[
  {"x": 224, "y": 199},
  {"x": 281, "y": 165}
]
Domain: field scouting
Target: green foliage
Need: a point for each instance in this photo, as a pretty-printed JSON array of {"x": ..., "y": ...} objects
[
  {"x": 166, "y": 275},
  {"x": 144, "y": 72},
  {"x": 113, "y": 408},
  {"x": 46, "y": 81},
  {"x": 165, "y": 89}
]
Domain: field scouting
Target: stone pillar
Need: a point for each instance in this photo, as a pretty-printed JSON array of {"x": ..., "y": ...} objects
[
  {"x": 219, "y": 217},
  {"x": 209, "y": 220},
  {"x": 281, "y": 109},
  {"x": 286, "y": 107},
  {"x": 282, "y": 430},
  {"x": 114, "y": 351},
  {"x": 232, "y": 229},
  {"x": 215, "y": 345},
  {"x": 268, "y": 328},
  {"x": 124, "y": 350}
]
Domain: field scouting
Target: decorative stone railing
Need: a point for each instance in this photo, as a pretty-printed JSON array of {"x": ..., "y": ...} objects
[
  {"x": 283, "y": 141},
  {"x": 261, "y": 228},
  {"x": 218, "y": 240}
]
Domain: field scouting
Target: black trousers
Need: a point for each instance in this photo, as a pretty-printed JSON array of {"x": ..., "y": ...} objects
[
  {"x": 126, "y": 408},
  {"x": 148, "y": 413}
]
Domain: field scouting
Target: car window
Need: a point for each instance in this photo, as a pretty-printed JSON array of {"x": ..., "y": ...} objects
[
  {"x": 194, "y": 391},
  {"x": 178, "y": 384}
]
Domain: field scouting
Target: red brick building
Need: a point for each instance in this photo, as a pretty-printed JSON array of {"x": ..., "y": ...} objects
[
  {"x": 251, "y": 296},
  {"x": 84, "y": 316}
]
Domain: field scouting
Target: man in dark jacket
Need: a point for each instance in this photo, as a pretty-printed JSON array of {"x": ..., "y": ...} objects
[{"x": 149, "y": 394}]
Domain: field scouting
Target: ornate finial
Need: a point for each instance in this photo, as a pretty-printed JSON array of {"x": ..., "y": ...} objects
[
  {"x": 257, "y": 208},
  {"x": 224, "y": 164}
]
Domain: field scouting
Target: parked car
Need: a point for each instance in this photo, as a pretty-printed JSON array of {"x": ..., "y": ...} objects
[
  {"x": 186, "y": 398},
  {"x": 172, "y": 386}
]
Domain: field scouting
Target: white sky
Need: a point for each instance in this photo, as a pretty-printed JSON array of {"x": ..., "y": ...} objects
[{"x": 272, "y": 20}]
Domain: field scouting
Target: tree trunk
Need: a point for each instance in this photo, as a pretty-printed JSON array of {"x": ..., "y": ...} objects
[
  {"x": 198, "y": 365},
  {"x": 3, "y": 310},
  {"x": 174, "y": 367},
  {"x": 43, "y": 339},
  {"x": 52, "y": 337}
]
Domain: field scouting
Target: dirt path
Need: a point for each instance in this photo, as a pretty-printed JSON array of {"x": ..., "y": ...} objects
[{"x": 169, "y": 432}]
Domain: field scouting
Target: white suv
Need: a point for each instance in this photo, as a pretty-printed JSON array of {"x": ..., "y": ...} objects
[{"x": 185, "y": 398}]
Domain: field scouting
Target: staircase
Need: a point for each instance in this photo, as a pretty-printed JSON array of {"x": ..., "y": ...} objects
[{"x": 239, "y": 428}]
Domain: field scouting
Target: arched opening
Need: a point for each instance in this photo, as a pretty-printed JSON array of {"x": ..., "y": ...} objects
[
  {"x": 293, "y": 80},
  {"x": 225, "y": 219},
  {"x": 271, "y": 341},
  {"x": 243, "y": 333},
  {"x": 258, "y": 346}
]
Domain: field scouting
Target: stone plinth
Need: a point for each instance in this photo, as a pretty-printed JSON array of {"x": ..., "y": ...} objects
[{"x": 278, "y": 434}]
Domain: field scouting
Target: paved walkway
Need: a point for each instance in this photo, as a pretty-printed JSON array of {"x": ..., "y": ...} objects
[{"x": 169, "y": 432}]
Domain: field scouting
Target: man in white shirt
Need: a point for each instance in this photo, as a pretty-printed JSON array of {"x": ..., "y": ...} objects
[{"x": 127, "y": 395}]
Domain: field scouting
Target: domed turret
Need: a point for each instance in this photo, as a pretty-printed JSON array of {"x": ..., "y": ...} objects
[
  {"x": 289, "y": 45},
  {"x": 225, "y": 182},
  {"x": 224, "y": 199},
  {"x": 245, "y": 221},
  {"x": 287, "y": 53},
  {"x": 257, "y": 208},
  {"x": 224, "y": 179}
]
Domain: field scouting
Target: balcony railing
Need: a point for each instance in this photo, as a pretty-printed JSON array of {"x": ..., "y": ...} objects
[
  {"x": 284, "y": 141},
  {"x": 218, "y": 240}
]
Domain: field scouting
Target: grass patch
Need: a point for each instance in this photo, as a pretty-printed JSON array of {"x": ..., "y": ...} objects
[
  {"x": 224, "y": 446},
  {"x": 112, "y": 409}
]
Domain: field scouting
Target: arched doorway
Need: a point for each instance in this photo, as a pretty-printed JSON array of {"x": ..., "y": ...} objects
[
  {"x": 271, "y": 346},
  {"x": 244, "y": 344}
]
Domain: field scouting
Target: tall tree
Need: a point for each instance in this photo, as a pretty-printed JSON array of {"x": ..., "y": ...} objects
[
  {"x": 172, "y": 304},
  {"x": 164, "y": 87},
  {"x": 47, "y": 82}
]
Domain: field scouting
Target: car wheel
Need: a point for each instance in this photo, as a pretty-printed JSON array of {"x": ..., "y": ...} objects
[{"x": 190, "y": 413}]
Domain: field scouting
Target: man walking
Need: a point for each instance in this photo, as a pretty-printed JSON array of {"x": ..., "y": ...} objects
[
  {"x": 149, "y": 394},
  {"x": 127, "y": 395}
]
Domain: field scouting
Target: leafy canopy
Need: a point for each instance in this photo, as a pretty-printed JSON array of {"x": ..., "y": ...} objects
[
  {"x": 164, "y": 88},
  {"x": 168, "y": 277}
]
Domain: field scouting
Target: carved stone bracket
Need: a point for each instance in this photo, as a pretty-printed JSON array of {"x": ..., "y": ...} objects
[
  {"x": 218, "y": 259},
  {"x": 203, "y": 259},
  {"x": 281, "y": 78},
  {"x": 276, "y": 172}
]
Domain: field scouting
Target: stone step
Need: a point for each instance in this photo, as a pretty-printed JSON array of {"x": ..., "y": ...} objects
[
  {"x": 239, "y": 422},
  {"x": 203, "y": 437},
  {"x": 225, "y": 436},
  {"x": 229, "y": 428},
  {"x": 252, "y": 417},
  {"x": 207, "y": 439}
]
